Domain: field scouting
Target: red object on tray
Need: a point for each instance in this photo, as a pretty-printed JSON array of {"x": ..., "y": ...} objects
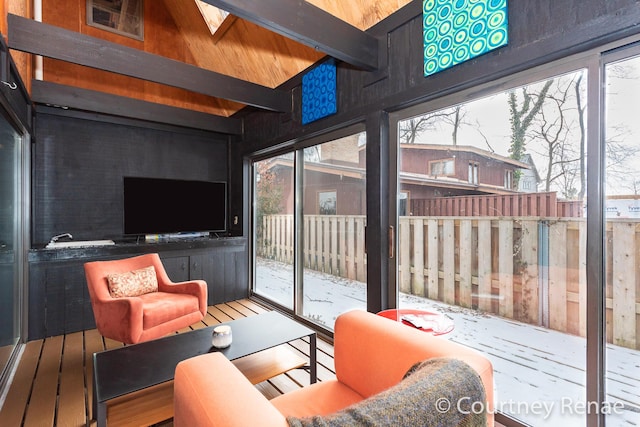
[{"x": 427, "y": 321}]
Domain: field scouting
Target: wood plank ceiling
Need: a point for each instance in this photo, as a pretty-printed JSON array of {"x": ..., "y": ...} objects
[{"x": 181, "y": 64}]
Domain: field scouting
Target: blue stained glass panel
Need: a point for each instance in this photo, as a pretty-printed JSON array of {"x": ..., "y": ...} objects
[
  {"x": 455, "y": 31},
  {"x": 319, "y": 92}
]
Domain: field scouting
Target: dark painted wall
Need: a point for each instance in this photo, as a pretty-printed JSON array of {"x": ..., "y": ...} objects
[{"x": 78, "y": 165}]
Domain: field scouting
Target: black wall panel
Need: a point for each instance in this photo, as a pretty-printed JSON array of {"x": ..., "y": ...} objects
[{"x": 78, "y": 167}]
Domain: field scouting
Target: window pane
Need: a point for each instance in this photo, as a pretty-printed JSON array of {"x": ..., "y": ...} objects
[
  {"x": 334, "y": 218},
  {"x": 499, "y": 248},
  {"x": 273, "y": 225},
  {"x": 622, "y": 290}
]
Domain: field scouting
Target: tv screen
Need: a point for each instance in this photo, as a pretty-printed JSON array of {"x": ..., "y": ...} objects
[{"x": 161, "y": 206}]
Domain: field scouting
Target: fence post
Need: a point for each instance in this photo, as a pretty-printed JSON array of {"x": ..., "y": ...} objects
[
  {"x": 624, "y": 284},
  {"x": 529, "y": 271},
  {"x": 582, "y": 278},
  {"x": 334, "y": 245},
  {"x": 448, "y": 261},
  {"x": 361, "y": 269},
  {"x": 465, "y": 257},
  {"x": 485, "y": 296},
  {"x": 404, "y": 260},
  {"x": 432, "y": 259},
  {"x": 343, "y": 246},
  {"x": 558, "y": 276},
  {"x": 351, "y": 239},
  {"x": 543, "y": 272},
  {"x": 505, "y": 267},
  {"x": 417, "y": 284}
]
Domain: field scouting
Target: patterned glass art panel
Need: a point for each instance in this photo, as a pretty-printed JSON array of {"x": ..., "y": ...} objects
[
  {"x": 455, "y": 31},
  {"x": 319, "y": 92}
]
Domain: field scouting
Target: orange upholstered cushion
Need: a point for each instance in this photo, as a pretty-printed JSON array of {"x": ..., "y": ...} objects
[
  {"x": 321, "y": 398},
  {"x": 133, "y": 283},
  {"x": 161, "y": 307}
]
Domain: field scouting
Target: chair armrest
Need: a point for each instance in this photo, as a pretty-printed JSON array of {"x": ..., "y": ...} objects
[
  {"x": 113, "y": 314},
  {"x": 210, "y": 391},
  {"x": 197, "y": 288}
]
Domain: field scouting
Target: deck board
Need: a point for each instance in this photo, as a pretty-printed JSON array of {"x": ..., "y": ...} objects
[
  {"x": 71, "y": 406},
  {"x": 42, "y": 404},
  {"x": 14, "y": 407}
]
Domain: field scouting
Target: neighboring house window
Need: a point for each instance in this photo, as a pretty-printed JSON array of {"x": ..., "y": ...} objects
[
  {"x": 508, "y": 179},
  {"x": 327, "y": 203},
  {"x": 442, "y": 167},
  {"x": 473, "y": 173},
  {"x": 403, "y": 203}
]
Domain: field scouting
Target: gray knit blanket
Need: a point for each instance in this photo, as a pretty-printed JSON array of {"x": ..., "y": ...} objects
[{"x": 439, "y": 392}]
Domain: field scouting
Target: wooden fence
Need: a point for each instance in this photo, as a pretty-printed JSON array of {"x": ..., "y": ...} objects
[
  {"x": 517, "y": 204},
  {"x": 526, "y": 268}
]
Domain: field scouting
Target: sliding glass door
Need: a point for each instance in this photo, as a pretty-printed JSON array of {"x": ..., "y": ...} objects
[
  {"x": 309, "y": 216},
  {"x": 492, "y": 236},
  {"x": 12, "y": 228},
  {"x": 333, "y": 221},
  {"x": 494, "y": 195}
]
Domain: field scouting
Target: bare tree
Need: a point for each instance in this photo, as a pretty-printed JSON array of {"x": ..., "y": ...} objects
[
  {"x": 554, "y": 127},
  {"x": 522, "y": 112},
  {"x": 411, "y": 129},
  {"x": 581, "y": 107}
]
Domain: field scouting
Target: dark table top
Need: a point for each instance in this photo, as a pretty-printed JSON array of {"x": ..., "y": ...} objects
[{"x": 134, "y": 367}]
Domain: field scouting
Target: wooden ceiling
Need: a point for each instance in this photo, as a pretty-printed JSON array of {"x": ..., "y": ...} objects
[{"x": 181, "y": 64}]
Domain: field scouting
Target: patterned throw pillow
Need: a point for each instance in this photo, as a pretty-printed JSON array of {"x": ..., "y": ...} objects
[{"x": 133, "y": 283}]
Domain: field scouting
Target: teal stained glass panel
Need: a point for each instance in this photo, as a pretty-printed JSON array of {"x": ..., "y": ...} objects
[{"x": 455, "y": 31}]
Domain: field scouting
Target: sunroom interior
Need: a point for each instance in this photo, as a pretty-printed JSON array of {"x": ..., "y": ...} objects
[{"x": 366, "y": 164}]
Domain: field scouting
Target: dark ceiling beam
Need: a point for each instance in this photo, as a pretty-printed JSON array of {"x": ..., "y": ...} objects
[
  {"x": 53, "y": 42},
  {"x": 57, "y": 95},
  {"x": 309, "y": 25}
]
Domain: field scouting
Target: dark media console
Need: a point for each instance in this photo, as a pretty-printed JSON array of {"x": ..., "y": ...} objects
[{"x": 58, "y": 297}]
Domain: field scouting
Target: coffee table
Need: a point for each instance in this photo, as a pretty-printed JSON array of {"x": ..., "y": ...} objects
[{"x": 135, "y": 367}]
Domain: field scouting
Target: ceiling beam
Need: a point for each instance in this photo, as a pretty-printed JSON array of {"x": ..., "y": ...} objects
[
  {"x": 53, "y": 42},
  {"x": 309, "y": 25},
  {"x": 63, "y": 96}
]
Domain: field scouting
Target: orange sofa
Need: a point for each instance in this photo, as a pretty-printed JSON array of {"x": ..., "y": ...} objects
[
  {"x": 134, "y": 319},
  {"x": 371, "y": 354}
]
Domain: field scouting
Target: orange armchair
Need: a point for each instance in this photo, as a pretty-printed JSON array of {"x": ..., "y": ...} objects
[{"x": 133, "y": 319}]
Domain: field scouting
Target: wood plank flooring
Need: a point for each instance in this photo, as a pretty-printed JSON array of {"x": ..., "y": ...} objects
[{"x": 52, "y": 385}]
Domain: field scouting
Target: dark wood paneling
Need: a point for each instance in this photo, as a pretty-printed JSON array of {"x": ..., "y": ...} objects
[
  {"x": 177, "y": 268},
  {"x": 48, "y": 93},
  {"x": 79, "y": 165}
]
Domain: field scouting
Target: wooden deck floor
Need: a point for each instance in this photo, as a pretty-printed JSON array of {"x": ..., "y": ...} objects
[{"x": 52, "y": 385}]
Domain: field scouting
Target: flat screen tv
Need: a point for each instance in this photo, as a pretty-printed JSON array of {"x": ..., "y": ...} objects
[{"x": 164, "y": 206}]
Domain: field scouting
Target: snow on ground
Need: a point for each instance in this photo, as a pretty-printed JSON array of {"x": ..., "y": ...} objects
[{"x": 539, "y": 373}]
